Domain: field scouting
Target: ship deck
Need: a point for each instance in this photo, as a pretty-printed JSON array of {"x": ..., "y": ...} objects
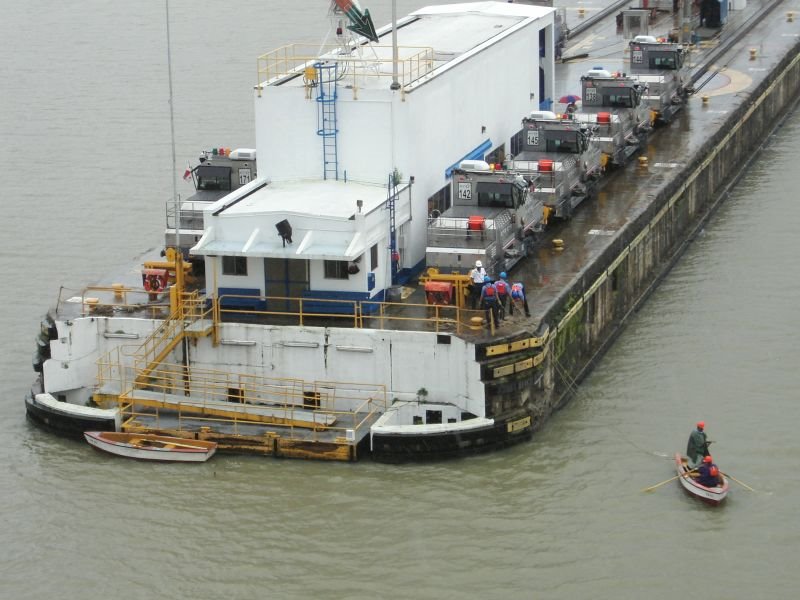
[{"x": 262, "y": 438}]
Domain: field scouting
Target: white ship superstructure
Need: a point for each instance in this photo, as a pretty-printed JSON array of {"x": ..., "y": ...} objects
[{"x": 287, "y": 346}]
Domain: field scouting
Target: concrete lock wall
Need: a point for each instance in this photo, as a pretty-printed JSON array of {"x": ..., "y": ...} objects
[{"x": 590, "y": 313}]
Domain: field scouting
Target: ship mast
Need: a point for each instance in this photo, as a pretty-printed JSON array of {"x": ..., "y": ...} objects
[{"x": 175, "y": 197}]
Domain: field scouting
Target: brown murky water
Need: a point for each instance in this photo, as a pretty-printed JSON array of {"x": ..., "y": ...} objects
[{"x": 85, "y": 146}]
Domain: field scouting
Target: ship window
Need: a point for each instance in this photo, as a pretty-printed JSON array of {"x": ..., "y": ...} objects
[
  {"x": 336, "y": 269},
  {"x": 234, "y": 265},
  {"x": 439, "y": 201},
  {"x": 373, "y": 257},
  {"x": 417, "y": 420},
  {"x": 516, "y": 143},
  {"x": 466, "y": 416},
  {"x": 433, "y": 417}
]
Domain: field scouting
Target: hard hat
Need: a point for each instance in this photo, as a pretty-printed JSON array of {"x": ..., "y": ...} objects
[
  {"x": 503, "y": 275},
  {"x": 478, "y": 264},
  {"x": 707, "y": 459},
  {"x": 701, "y": 425},
  {"x": 487, "y": 279}
]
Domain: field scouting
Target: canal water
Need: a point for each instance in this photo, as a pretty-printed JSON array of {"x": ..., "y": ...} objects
[{"x": 84, "y": 125}]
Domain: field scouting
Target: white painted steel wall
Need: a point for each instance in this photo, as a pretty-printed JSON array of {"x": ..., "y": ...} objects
[
  {"x": 74, "y": 355},
  {"x": 421, "y": 133},
  {"x": 402, "y": 361}
]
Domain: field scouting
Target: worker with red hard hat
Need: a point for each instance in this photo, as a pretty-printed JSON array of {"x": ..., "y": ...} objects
[{"x": 697, "y": 448}]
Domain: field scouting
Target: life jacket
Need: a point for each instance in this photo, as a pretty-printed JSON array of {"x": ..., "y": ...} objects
[
  {"x": 489, "y": 292},
  {"x": 516, "y": 291},
  {"x": 502, "y": 288}
]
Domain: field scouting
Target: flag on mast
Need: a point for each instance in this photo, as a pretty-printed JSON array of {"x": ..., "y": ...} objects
[{"x": 188, "y": 172}]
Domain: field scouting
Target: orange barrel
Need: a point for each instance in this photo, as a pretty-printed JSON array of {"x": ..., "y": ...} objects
[
  {"x": 604, "y": 118},
  {"x": 545, "y": 164}
]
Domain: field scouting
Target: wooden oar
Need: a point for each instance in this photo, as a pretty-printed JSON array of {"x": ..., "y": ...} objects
[
  {"x": 744, "y": 485},
  {"x": 652, "y": 487}
]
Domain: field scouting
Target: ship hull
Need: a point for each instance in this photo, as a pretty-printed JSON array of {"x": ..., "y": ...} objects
[
  {"x": 394, "y": 447},
  {"x": 67, "y": 423}
]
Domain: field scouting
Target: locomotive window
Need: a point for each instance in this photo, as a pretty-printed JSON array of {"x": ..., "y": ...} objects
[
  {"x": 663, "y": 61},
  {"x": 210, "y": 177},
  {"x": 567, "y": 144},
  {"x": 495, "y": 195},
  {"x": 616, "y": 99}
]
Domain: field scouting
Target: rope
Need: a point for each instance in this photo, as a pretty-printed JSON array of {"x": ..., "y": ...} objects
[{"x": 572, "y": 388}]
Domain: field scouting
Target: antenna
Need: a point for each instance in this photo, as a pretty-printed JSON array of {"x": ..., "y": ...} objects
[
  {"x": 178, "y": 252},
  {"x": 172, "y": 140}
]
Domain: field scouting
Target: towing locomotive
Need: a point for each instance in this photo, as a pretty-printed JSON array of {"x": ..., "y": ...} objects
[
  {"x": 661, "y": 67},
  {"x": 566, "y": 157}
]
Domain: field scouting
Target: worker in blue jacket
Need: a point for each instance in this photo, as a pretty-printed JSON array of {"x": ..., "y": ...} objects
[
  {"x": 503, "y": 291},
  {"x": 518, "y": 298},
  {"x": 489, "y": 301}
]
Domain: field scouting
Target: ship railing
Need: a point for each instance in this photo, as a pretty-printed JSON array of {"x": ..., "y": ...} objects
[
  {"x": 194, "y": 395},
  {"x": 191, "y": 215},
  {"x": 111, "y": 377},
  {"x": 354, "y": 65},
  {"x": 191, "y": 309},
  {"x": 345, "y": 313}
]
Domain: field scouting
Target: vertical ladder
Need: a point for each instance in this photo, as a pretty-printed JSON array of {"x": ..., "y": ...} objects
[
  {"x": 326, "y": 119},
  {"x": 390, "y": 204}
]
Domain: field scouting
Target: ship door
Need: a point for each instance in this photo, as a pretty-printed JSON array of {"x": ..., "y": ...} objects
[{"x": 285, "y": 280}]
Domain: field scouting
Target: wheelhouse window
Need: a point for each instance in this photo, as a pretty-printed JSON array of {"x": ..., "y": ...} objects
[
  {"x": 234, "y": 265},
  {"x": 373, "y": 257},
  {"x": 336, "y": 269}
]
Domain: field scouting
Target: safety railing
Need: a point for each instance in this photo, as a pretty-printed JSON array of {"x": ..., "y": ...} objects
[
  {"x": 190, "y": 310},
  {"x": 197, "y": 395},
  {"x": 354, "y": 64},
  {"x": 190, "y": 214},
  {"x": 405, "y": 316}
]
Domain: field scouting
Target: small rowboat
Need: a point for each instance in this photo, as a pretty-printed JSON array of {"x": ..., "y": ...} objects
[
  {"x": 711, "y": 495},
  {"x": 149, "y": 446}
]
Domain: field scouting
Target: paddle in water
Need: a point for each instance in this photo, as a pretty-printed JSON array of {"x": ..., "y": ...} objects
[{"x": 652, "y": 487}]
